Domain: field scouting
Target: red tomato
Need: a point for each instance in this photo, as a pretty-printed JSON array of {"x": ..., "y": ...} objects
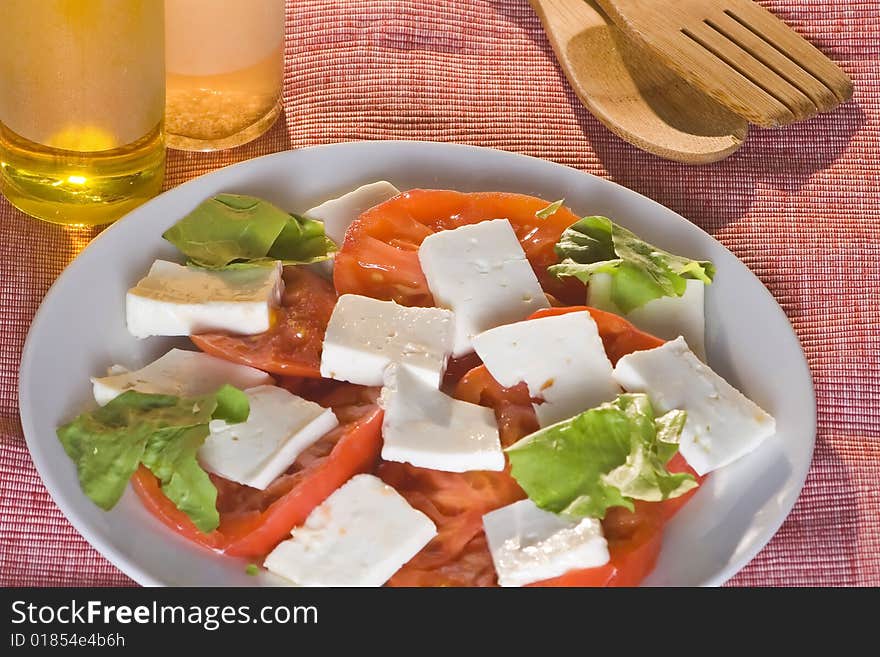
[
  {"x": 252, "y": 522},
  {"x": 292, "y": 346},
  {"x": 456, "y": 368},
  {"x": 456, "y": 503},
  {"x": 513, "y": 406},
  {"x": 472, "y": 567},
  {"x": 633, "y": 556},
  {"x": 588, "y": 577},
  {"x": 379, "y": 257}
]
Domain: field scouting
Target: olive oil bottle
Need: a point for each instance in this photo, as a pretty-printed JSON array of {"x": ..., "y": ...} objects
[{"x": 82, "y": 97}]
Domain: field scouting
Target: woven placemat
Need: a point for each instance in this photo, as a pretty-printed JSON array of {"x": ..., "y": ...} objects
[{"x": 800, "y": 206}]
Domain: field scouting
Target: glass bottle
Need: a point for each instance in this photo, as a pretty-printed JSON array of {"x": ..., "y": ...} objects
[
  {"x": 225, "y": 66},
  {"x": 81, "y": 107}
]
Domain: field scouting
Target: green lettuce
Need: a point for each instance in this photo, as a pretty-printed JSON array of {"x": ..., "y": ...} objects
[
  {"x": 640, "y": 271},
  {"x": 164, "y": 433},
  {"x": 607, "y": 456},
  {"x": 234, "y": 230},
  {"x": 550, "y": 210}
]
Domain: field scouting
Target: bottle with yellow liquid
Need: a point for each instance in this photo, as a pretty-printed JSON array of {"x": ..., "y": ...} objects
[
  {"x": 81, "y": 107},
  {"x": 225, "y": 65}
]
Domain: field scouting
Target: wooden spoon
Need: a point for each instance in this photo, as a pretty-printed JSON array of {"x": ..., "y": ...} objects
[
  {"x": 737, "y": 52},
  {"x": 636, "y": 97}
]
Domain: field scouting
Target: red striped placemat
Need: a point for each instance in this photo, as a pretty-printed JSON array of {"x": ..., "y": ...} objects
[{"x": 800, "y": 206}]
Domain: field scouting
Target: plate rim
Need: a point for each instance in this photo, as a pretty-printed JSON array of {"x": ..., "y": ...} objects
[{"x": 132, "y": 570}]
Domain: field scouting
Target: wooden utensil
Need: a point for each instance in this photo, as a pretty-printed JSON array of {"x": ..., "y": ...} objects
[
  {"x": 737, "y": 52},
  {"x": 636, "y": 97}
]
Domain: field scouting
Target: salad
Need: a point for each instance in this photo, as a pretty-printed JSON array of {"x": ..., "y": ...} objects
[{"x": 420, "y": 388}]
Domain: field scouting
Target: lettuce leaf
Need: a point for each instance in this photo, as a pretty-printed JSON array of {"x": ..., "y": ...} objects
[
  {"x": 640, "y": 271},
  {"x": 235, "y": 230},
  {"x": 607, "y": 456},
  {"x": 550, "y": 210},
  {"x": 164, "y": 433},
  {"x": 171, "y": 456}
]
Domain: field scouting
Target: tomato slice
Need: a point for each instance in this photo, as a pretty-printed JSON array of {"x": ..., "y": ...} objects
[
  {"x": 252, "y": 522},
  {"x": 292, "y": 346},
  {"x": 455, "y": 503},
  {"x": 513, "y": 407},
  {"x": 634, "y": 557},
  {"x": 379, "y": 257},
  {"x": 356, "y": 451},
  {"x": 472, "y": 567},
  {"x": 587, "y": 577}
]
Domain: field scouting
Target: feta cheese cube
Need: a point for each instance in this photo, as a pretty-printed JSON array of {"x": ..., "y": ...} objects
[
  {"x": 365, "y": 335},
  {"x": 429, "y": 429},
  {"x": 561, "y": 358},
  {"x": 666, "y": 317},
  {"x": 529, "y": 544},
  {"x": 338, "y": 213},
  {"x": 181, "y": 373},
  {"x": 359, "y": 536},
  {"x": 279, "y": 428},
  {"x": 177, "y": 300},
  {"x": 722, "y": 424},
  {"x": 480, "y": 272}
]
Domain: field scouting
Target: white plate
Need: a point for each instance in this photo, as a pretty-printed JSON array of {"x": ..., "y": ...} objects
[{"x": 79, "y": 331}]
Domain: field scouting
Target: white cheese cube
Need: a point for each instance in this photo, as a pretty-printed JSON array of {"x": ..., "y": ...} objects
[
  {"x": 529, "y": 544},
  {"x": 181, "y": 373},
  {"x": 429, "y": 429},
  {"x": 480, "y": 272},
  {"x": 178, "y": 300},
  {"x": 338, "y": 213},
  {"x": 561, "y": 358},
  {"x": 722, "y": 424},
  {"x": 365, "y": 335},
  {"x": 279, "y": 428},
  {"x": 666, "y": 317},
  {"x": 359, "y": 536}
]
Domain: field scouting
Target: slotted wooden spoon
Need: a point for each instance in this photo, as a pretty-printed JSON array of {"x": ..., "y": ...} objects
[
  {"x": 635, "y": 96},
  {"x": 737, "y": 52}
]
